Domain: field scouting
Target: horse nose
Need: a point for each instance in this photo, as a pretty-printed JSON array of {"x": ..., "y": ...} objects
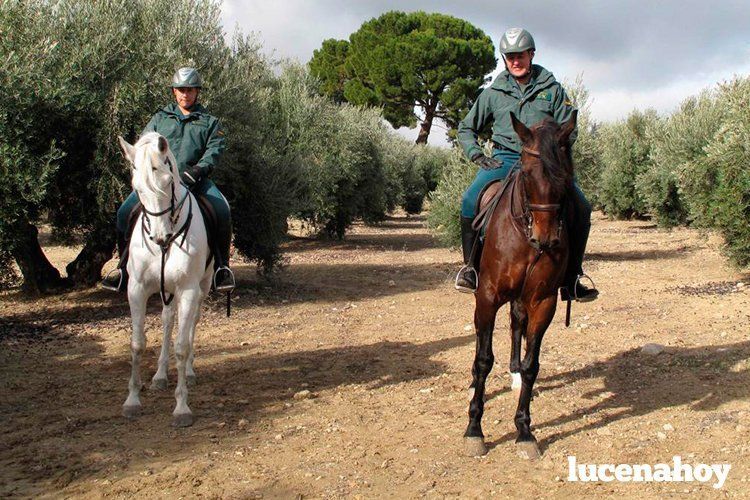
[
  {"x": 554, "y": 243},
  {"x": 161, "y": 241},
  {"x": 534, "y": 242}
]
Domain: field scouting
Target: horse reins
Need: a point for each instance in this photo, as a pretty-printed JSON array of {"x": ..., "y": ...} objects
[
  {"x": 174, "y": 211},
  {"x": 527, "y": 215}
]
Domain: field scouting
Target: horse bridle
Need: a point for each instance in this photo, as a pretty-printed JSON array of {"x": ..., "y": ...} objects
[
  {"x": 174, "y": 211},
  {"x": 530, "y": 208}
]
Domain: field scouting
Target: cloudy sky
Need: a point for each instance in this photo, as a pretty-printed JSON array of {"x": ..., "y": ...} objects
[{"x": 632, "y": 54}]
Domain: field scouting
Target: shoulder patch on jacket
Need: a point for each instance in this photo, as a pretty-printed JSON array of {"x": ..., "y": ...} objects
[{"x": 544, "y": 95}]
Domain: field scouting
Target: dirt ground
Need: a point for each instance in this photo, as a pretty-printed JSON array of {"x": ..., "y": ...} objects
[{"x": 373, "y": 329}]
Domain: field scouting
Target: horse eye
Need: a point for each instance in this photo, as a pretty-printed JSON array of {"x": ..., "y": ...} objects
[{"x": 153, "y": 168}]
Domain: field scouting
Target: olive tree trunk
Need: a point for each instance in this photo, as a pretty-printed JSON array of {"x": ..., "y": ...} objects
[
  {"x": 86, "y": 269},
  {"x": 39, "y": 275}
]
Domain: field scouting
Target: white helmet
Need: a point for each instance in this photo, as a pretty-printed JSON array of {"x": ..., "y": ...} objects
[{"x": 516, "y": 40}]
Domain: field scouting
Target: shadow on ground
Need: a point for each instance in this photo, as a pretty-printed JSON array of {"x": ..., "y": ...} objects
[
  {"x": 633, "y": 255},
  {"x": 46, "y": 418},
  {"x": 635, "y": 384}
]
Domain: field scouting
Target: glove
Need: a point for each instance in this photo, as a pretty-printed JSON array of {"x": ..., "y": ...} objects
[
  {"x": 486, "y": 162},
  {"x": 191, "y": 175}
]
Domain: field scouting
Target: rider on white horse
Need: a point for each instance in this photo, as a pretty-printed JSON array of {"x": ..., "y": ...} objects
[
  {"x": 169, "y": 251},
  {"x": 197, "y": 141}
]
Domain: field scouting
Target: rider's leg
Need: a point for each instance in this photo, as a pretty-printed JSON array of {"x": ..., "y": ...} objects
[
  {"x": 578, "y": 237},
  {"x": 223, "y": 277},
  {"x": 117, "y": 280},
  {"x": 466, "y": 279}
]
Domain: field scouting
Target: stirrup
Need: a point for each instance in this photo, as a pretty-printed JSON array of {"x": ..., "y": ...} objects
[
  {"x": 223, "y": 288},
  {"x": 104, "y": 282},
  {"x": 462, "y": 288},
  {"x": 575, "y": 289}
]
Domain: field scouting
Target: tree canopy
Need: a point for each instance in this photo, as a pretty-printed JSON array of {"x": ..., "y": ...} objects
[{"x": 402, "y": 61}]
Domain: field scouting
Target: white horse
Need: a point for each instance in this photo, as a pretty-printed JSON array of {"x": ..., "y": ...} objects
[{"x": 168, "y": 254}]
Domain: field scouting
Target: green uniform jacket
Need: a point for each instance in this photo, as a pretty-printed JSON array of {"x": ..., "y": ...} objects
[
  {"x": 195, "y": 139},
  {"x": 543, "y": 97}
]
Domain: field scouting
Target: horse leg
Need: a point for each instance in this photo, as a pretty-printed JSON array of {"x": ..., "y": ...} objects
[
  {"x": 188, "y": 307},
  {"x": 189, "y": 372},
  {"x": 484, "y": 322},
  {"x": 137, "y": 299},
  {"x": 160, "y": 377},
  {"x": 205, "y": 286},
  {"x": 539, "y": 319},
  {"x": 518, "y": 322}
]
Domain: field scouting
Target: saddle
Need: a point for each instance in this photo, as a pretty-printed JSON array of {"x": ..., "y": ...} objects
[{"x": 488, "y": 200}]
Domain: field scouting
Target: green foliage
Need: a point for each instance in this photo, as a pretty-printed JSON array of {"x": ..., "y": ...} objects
[
  {"x": 80, "y": 73},
  {"x": 350, "y": 164},
  {"x": 625, "y": 156},
  {"x": 445, "y": 201},
  {"x": 675, "y": 187},
  {"x": 690, "y": 167},
  {"x": 587, "y": 155},
  {"x": 659, "y": 190},
  {"x": 727, "y": 159},
  {"x": 258, "y": 174},
  {"x": 429, "y": 165},
  {"x": 329, "y": 65},
  {"x": 402, "y": 60},
  {"x": 29, "y": 157},
  {"x": 694, "y": 126},
  {"x": 337, "y": 150},
  {"x": 413, "y": 171}
]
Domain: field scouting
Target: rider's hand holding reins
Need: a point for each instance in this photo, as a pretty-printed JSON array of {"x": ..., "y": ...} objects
[
  {"x": 191, "y": 175},
  {"x": 486, "y": 162}
]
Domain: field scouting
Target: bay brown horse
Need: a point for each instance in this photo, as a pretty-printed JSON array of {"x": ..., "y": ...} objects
[{"x": 523, "y": 262}]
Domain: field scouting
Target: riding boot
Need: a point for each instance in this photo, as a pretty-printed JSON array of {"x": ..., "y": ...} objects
[
  {"x": 466, "y": 279},
  {"x": 577, "y": 247},
  {"x": 117, "y": 279},
  {"x": 223, "y": 277}
]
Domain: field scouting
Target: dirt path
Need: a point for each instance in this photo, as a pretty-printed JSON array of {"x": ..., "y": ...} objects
[{"x": 372, "y": 328}]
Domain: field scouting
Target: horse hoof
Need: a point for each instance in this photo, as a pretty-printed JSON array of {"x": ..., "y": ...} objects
[
  {"x": 182, "y": 420},
  {"x": 132, "y": 411},
  {"x": 474, "y": 447},
  {"x": 515, "y": 381},
  {"x": 159, "y": 384},
  {"x": 190, "y": 380},
  {"x": 528, "y": 450}
]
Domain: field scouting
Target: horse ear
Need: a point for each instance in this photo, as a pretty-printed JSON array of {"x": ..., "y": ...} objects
[
  {"x": 522, "y": 130},
  {"x": 567, "y": 128},
  {"x": 163, "y": 145},
  {"x": 128, "y": 149}
]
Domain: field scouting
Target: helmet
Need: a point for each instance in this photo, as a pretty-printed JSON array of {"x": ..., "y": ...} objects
[
  {"x": 516, "y": 40},
  {"x": 187, "y": 77}
]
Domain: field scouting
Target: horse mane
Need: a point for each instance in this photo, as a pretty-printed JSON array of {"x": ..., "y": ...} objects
[
  {"x": 557, "y": 165},
  {"x": 146, "y": 148}
]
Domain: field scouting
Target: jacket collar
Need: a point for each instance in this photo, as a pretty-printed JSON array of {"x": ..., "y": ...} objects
[
  {"x": 174, "y": 109},
  {"x": 540, "y": 77}
]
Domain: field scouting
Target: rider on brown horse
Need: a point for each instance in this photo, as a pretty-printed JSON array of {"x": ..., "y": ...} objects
[{"x": 532, "y": 94}]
